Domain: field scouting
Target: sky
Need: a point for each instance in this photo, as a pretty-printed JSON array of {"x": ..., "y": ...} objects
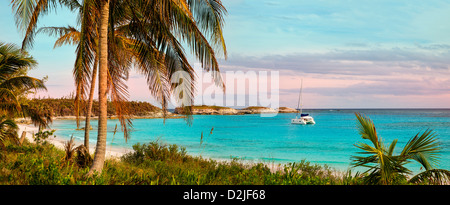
[{"x": 349, "y": 53}]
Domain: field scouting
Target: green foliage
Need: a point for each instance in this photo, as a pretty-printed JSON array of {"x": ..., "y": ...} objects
[
  {"x": 154, "y": 163},
  {"x": 41, "y": 136},
  {"x": 15, "y": 85},
  {"x": 384, "y": 167},
  {"x": 65, "y": 107},
  {"x": 8, "y": 131},
  {"x": 156, "y": 151},
  {"x": 433, "y": 176}
]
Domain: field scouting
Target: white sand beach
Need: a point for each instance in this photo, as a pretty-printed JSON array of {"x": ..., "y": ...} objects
[
  {"x": 111, "y": 152},
  {"x": 116, "y": 153}
]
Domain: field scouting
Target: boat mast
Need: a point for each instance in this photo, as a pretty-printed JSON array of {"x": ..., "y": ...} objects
[
  {"x": 301, "y": 102},
  {"x": 299, "y": 98}
]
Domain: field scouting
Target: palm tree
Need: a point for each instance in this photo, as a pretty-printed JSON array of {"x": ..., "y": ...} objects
[
  {"x": 156, "y": 28},
  {"x": 386, "y": 168},
  {"x": 14, "y": 63}
]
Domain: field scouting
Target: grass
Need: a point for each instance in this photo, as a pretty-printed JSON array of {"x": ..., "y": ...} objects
[{"x": 153, "y": 163}]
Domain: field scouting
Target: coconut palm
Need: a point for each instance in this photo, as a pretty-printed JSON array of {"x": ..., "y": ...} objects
[
  {"x": 384, "y": 167},
  {"x": 157, "y": 29},
  {"x": 14, "y": 63}
]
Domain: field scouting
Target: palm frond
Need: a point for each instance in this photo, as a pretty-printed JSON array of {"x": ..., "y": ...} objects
[
  {"x": 41, "y": 115},
  {"x": 199, "y": 45},
  {"x": 9, "y": 101},
  {"x": 8, "y": 131},
  {"x": 13, "y": 60},
  {"x": 367, "y": 130},
  {"x": 392, "y": 147},
  {"x": 209, "y": 15},
  {"x": 23, "y": 83},
  {"x": 118, "y": 63},
  {"x": 432, "y": 176},
  {"x": 423, "y": 149},
  {"x": 85, "y": 53},
  {"x": 66, "y": 35},
  {"x": 384, "y": 167},
  {"x": 27, "y": 13}
]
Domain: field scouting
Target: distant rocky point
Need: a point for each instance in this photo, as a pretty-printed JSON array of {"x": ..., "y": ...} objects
[
  {"x": 218, "y": 110},
  {"x": 208, "y": 110},
  {"x": 258, "y": 110},
  {"x": 286, "y": 110}
]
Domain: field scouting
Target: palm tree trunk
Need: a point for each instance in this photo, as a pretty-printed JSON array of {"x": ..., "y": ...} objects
[
  {"x": 87, "y": 124},
  {"x": 100, "y": 149}
]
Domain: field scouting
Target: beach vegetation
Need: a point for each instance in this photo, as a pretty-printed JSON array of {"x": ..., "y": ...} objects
[
  {"x": 43, "y": 135},
  {"x": 158, "y": 163},
  {"x": 154, "y": 163},
  {"x": 385, "y": 167}
]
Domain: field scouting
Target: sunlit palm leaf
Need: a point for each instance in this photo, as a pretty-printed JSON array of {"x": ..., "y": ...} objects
[
  {"x": 23, "y": 82},
  {"x": 66, "y": 35},
  {"x": 209, "y": 15},
  {"x": 8, "y": 131},
  {"x": 432, "y": 176},
  {"x": 367, "y": 130}
]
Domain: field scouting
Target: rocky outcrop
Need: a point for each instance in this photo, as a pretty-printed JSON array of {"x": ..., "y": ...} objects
[
  {"x": 217, "y": 110},
  {"x": 209, "y": 110},
  {"x": 286, "y": 110},
  {"x": 258, "y": 110}
]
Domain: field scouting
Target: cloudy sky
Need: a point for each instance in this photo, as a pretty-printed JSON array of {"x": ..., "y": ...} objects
[{"x": 349, "y": 53}]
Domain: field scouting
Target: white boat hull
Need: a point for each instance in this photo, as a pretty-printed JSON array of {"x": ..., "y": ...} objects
[
  {"x": 298, "y": 121},
  {"x": 309, "y": 120},
  {"x": 303, "y": 121}
]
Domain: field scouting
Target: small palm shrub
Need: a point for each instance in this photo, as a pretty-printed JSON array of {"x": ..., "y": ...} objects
[{"x": 385, "y": 167}]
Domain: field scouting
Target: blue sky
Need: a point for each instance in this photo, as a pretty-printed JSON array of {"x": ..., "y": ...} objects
[
  {"x": 349, "y": 53},
  {"x": 295, "y": 26}
]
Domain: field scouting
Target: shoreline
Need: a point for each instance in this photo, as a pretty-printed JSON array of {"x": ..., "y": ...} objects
[
  {"x": 115, "y": 153},
  {"x": 59, "y": 142}
]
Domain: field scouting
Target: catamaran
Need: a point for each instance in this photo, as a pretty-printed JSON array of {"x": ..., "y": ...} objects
[{"x": 304, "y": 117}]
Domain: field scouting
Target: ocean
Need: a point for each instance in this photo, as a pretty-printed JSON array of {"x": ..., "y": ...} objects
[{"x": 275, "y": 140}]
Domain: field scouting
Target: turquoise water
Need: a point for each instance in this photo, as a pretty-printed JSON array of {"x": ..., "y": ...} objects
[{"x": 274, "y": 139}]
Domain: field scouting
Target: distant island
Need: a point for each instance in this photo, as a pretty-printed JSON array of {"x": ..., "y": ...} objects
[
  {"x": 64, "y": 108},
  {"x": 218, "y": 110}
]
